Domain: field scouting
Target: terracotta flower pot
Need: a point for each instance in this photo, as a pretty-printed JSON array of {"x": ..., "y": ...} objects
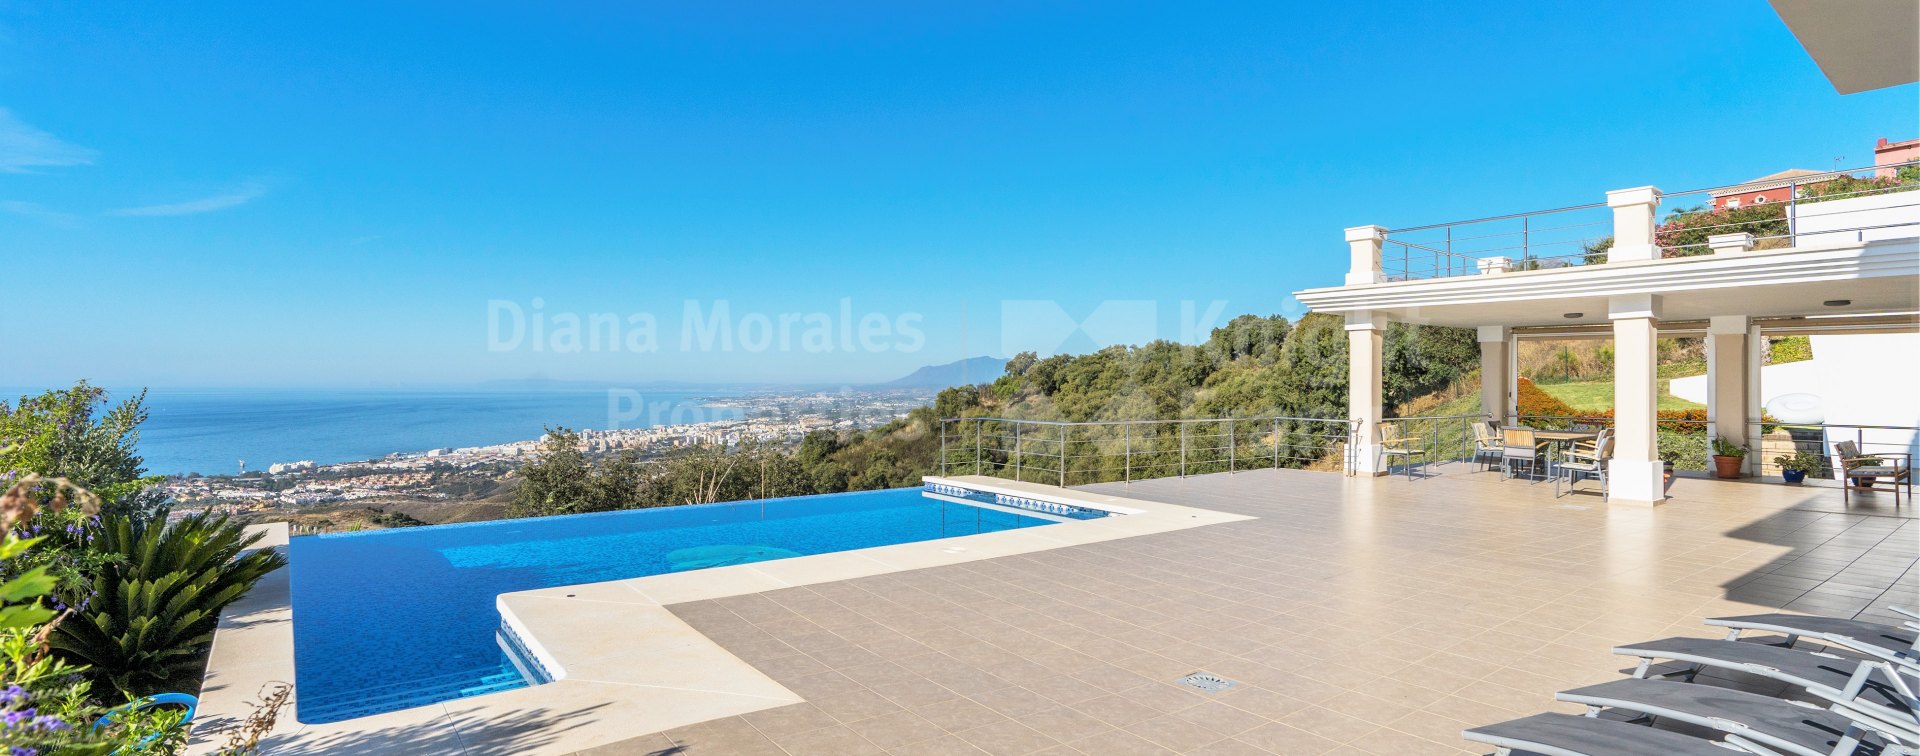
[{"x": 1727, "y": 468}]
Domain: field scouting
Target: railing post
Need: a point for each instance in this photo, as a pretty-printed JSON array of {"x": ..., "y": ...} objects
[
  {"x": 1183, "y": 450},
  {"x": 1063, "y": 456},
  {"x": 1229, "y": 446},
  {"x": 1016, "y": 452},
  {"x": 1793, "y": 213},
  {"x": 1126, "y": 444},
  {"x": 943, "y": 448},
  {"x": 976, "y": 448},
  {"x": 1364, "y": 244},
  {"x": 1276, "y": 443},
  {"x": 1633, "y": 224}
]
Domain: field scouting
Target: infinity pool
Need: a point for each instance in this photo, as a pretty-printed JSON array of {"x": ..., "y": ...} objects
[{"x": 391, "y": 619}]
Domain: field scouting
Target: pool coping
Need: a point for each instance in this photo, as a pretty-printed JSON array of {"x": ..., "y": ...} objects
[{"x": 611, "y": 686}]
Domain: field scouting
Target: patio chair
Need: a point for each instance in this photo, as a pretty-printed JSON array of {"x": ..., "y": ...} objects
[
  {"x": 1392, "y": 445},
  {"x": 1894, "y": 467},
  {"x": 1588, "y": 460},
  {"x": 1895, "y": 644},
  {"x": 1562, "y": 734},
  {"x": 1518, "y": 445},
  {"x": 1486, "y": 443},
  {"x": 1850, "y": 685},
  {"x": 1759, "y": 723}
]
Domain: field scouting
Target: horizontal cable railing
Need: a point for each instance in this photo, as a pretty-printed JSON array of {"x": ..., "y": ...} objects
[
  {"x": 1845, "y": 204},
  {"x": 1854, "y": 204},
  {"x": 1522, "y": 241},
  {"x": 1684, "y": 442},
  {"x": 1078, "y": 453}
]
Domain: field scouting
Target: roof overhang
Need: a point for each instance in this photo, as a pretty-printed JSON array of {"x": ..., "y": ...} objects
[
  {"x": 1858, "y": 44},
  {"x": 1872, "y": 277}
]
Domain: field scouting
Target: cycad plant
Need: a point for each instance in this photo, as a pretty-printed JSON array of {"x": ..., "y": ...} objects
[{"x": 147, "y": 626}]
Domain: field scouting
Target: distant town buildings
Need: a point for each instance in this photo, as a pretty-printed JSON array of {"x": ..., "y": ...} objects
[
  {"x": 1887, "y": 154},
  {"x": 1773, "y": 187},
  {"x": 1782, "y": 186},
  {"x": 304, "y": 483}
]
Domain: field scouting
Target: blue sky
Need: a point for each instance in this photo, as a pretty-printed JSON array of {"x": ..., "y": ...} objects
[{"x": 263, "y": 195}]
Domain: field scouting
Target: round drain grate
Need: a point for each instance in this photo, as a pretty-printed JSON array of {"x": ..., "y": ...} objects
[{"x": 1206, "y": 682}]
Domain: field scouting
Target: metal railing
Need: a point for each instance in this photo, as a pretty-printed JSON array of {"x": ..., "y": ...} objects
[
  {"x": 1809, "y": 209},
  {"x": 1769, "y": 441},
  {"x": 1681, "y": 441},
  {"x": 1078, "y": 453},
  {"x": 1536, "y": 240},
  {"x": 1573, "y": 236}
]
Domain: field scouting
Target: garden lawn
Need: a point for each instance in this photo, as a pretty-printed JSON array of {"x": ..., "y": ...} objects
[{"x": 1596, "y": 396}]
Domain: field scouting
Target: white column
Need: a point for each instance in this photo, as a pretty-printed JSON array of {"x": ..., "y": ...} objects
[
  {"x": 1363, "y": 244},
  {"x": 1633, "y": 211},
  {"x": 1635, "y": 474},
  {"x": 1496, "y": 372},
  {"x": 1727, "y": 380},
  {"x": 1366, "y": 335}
]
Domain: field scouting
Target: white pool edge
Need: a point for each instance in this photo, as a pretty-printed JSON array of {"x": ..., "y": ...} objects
[{"x": 623, "y": 664}]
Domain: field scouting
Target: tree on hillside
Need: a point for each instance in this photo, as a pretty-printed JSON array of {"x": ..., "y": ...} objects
[
  {"x": 560, "y": 480},
  {"x": 1422, "y": 359},
  {"x": 66, "y": 434}
]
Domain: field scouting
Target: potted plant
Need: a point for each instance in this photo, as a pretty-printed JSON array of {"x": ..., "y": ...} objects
[
  {"x": 1794, "y": 467},
  {"x": 1727, "y": 458}
]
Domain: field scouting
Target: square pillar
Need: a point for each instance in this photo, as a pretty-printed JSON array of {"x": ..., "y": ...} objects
[
  {"x": 1496, "y": 372},
  {"x": 1633, "y": 211},
  {"x": 1635, "y": 475},
  {"x": 1363, "y": 245},
  {"x": 1727, "y": 380},
  {"x": 1366, "y": 339}
]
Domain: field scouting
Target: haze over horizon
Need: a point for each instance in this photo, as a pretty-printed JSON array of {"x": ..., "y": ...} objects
[{"x": 343, "y": 196}]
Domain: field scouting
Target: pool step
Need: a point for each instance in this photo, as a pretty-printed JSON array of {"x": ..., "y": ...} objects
[{"x": 407, "y": 694}]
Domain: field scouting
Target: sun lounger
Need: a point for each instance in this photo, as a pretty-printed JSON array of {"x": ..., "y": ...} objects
[
  {"x": 1850, "y": 683},
  {"x": 1871, "y": 638},
  {"x": 1746, "y": 719},
  {"x": 1569, "y": 735}
]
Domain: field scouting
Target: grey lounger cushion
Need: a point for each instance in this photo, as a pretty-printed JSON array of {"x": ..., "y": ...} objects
[
  {"x": 1801, "y": 667},
  {"x": 1764, "y": 719},
  {"x": 1568, "y": 735},
  {"x": 1887, "y": 637}
]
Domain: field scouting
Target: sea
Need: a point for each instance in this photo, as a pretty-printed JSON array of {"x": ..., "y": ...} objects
[{"x": 217, "y": 431}]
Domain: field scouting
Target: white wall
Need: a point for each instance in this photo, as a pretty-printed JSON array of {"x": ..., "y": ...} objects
[
  {"x": 1870, "y": 380},
  {"x": 1861, "y": 379},
  {"x": 1775, "y": 381},
  {"x": 1898, "y": 210}
]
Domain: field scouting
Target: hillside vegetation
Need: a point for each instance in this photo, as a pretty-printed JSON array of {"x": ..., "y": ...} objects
[{"x": 1253, "y": 366}]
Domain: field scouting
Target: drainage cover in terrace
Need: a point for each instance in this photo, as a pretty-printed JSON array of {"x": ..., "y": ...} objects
[{"x": 1206, "y": 682}]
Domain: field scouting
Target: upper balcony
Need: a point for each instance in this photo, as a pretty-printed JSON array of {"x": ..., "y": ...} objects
[
  {"x": 1790, "y": 209},
  {"x": 1814, "y": 238}
]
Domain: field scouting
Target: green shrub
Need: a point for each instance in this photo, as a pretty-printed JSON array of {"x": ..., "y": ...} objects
[
  {"x": 1687, "y": 450},
  {"x": 1787, "y": 349},
  {"x": 147, "y": 625}
]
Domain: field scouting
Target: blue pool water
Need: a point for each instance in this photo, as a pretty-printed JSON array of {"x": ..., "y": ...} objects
[{"x": 391, "y": 619}]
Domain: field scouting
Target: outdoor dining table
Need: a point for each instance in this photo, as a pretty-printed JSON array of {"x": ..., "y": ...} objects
[{"x": 1562, "y": 438}]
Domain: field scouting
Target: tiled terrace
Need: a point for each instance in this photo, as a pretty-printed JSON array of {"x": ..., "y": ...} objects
[{"x": 1358, "y": 615}]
